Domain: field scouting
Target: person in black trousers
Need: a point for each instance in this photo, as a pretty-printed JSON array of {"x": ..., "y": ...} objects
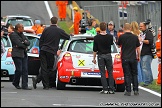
[
  {"x": 49, "y": 44},
  {"x": 102, "y": 47},
  {"x": 129, "y": 43},
  {"x": 19, "y": 56}
]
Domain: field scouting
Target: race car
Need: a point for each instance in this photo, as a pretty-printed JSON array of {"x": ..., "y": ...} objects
[{"x": 74, "y": 64}]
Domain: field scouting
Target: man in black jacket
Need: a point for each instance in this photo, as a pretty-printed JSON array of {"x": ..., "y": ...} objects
[
  {"x": 49, "y": 44},
  {"x": 19, "y": 56}
]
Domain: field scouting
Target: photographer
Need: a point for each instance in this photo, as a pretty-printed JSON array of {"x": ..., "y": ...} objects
[
  {"x": 2, "y": 49},
  {"x": 83, "y": 23},
  {"x": 146, "y": 54}
]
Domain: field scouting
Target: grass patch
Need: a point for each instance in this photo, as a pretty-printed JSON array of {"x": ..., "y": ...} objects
[
  {"x": 153, "y": 86},
  {"x": 63, "y": 25}
]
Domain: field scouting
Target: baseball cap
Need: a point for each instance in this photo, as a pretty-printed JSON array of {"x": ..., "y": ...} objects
[
  {"x": 37, "y": 22},
  {"x": 111, "y": 22},
  {"x": 75, "y": 8}
]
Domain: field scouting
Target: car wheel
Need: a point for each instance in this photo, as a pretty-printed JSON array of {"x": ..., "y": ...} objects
[
  {"x": 59, "y": 85},
  {"x": 120, "y": 87},
  {"x": 11, "y": 78}
]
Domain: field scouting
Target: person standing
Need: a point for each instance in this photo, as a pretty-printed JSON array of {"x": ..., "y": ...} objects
[
  {"x": 102, "y": 48},
  {"x": 129, "y": 43},
  {"x": 135, "y": 30},
  {"x": 90, "y": 29},
  {"x": 146, "y": 54},
  {"x": 158, "y": 53},
  {"x": 38, "y": 29},
  {"x": 2, "y": 49},
  {"x": 111, "y": 30},
  {"x": 48, "y": 45},
  {"x": 77, "y": 18},
  {"x": 62, "y": 9},
  {"x": 19, "y": 56},
  {"x": 10, "y": 29}
]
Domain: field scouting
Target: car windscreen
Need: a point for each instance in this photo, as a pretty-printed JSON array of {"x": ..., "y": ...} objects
[
  {"x": 33, "y": 42},
  {"x": 25, "y": 22},
  {"x": 86, "y": 46},
  {"x": 6, "y": 41}
]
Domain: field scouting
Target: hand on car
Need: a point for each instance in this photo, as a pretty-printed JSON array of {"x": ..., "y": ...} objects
[{"x": 94, "y": 61}]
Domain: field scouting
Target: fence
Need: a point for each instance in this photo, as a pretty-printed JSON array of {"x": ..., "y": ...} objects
[
  {"x": 147, "y": 10},
  {"x": 108, "y": 10},
  {"x": 104, "y": 13}
]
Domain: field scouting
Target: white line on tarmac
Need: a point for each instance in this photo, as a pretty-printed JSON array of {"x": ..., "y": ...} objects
[
  {"x": 150, "y": 91},
  {"x": 48, "y": 9},
  {"x": 75, "y": 105},
  {"x": 8, "y": 92}
]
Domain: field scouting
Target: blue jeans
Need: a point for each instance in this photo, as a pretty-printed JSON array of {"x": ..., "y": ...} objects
[
  {"x": 139, "y": 73},
  {"x": 146, "y": 71}
]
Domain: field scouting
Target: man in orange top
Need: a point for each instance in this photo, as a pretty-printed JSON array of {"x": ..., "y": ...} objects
[
  {"x": 37, "y": 27},
  {"x": 62, "y": 9},
  {"x": 77, "y": 18},
  {"x": 158, "y": 53}
]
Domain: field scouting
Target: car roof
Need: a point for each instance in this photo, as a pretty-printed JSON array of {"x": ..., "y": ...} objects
[
  {"x": 31, "y": 35},
  {"x": 24, "y": 16},
  {"x": 82, "y": 36}
]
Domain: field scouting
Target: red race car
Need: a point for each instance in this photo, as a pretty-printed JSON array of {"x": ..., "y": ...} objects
[{"x": 75, "y": 65}]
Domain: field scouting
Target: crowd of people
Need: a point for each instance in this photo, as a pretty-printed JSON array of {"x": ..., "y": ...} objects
[{"x": 134, "y": 40}]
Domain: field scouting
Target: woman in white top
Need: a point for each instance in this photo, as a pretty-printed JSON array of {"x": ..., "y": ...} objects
[{"x": 135, "y": 30}]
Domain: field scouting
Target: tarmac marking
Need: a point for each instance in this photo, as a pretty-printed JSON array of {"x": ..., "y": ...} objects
[
  {"x": 75, "y": 105},
  {"x": 150, "y": 91},
  {"x": 8, "y": 92},
  {"x": 48, "y": 9}
]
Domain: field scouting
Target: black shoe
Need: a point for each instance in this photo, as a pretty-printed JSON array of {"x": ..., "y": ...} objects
[
  {"x": 34, "y": 82},
  {"x": 111, "y": 92},
  {"x": 136, "y": 93},
  {"x": 46, "y": 88},
  {"x": 104, "y": 92},
  {"x": 127, "y": 93},
  {"x": 16, "y": 86},
  {"x": 27, "y": 88}
]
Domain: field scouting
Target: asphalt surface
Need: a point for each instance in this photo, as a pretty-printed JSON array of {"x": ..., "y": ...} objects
[
  {"x": 73, "y": 96},
  {"x": 35, "y": 9}
]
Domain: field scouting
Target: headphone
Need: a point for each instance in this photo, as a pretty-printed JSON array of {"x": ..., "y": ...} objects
[
  {"x": 90, "y": 21},
  {"x": 108, "y": 24}
]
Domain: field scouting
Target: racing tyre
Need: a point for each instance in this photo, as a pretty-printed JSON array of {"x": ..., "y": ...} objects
[
  {"x": 120, "y": 87},
  {"x": 11, "y": 78},
  {"x": 59, "y": 85}
]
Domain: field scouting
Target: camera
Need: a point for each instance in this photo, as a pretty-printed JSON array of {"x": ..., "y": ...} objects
[
  {"x": 150, "y": 28},
  {"x": 153, "y": 50},
  {"x": 147, "y": 22},
  {"x": 5, "y": 29},
  {"x": 84, "y": 22}
]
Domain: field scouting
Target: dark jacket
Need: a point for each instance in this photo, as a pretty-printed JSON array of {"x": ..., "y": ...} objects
[
  {"x": 50, "y": 38},
  {"x": 146, "y": 48},
  {"x": 19, "y": 44},
  {"x": 115, "y": 33}
]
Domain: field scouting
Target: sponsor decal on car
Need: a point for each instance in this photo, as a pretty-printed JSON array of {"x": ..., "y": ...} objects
[
  {"x": 81, "y": 62},
  {"x": 90, "y": 74}
]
